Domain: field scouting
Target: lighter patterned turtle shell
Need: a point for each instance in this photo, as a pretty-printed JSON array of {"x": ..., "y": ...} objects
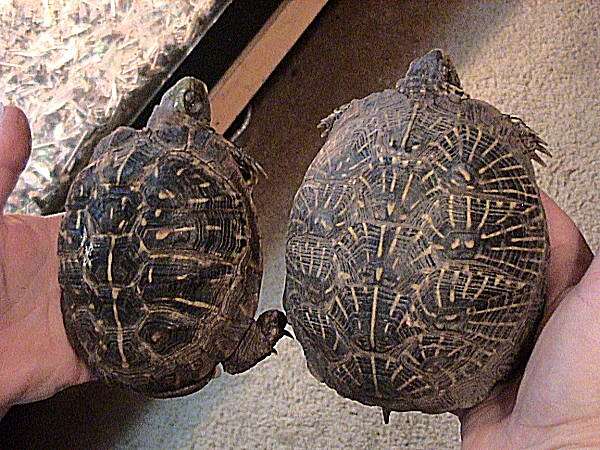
[
  {"x": 418, "y": 246},
  {"x": 160, "y": 261}
]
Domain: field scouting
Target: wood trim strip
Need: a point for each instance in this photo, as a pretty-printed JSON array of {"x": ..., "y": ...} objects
[{"x": 258, "y": 60}]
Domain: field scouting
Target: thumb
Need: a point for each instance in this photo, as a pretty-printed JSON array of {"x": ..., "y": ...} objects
[
  {"x": 15, "y": 148},
  {"x": 589, "y": 286},
  {"x": 570, "y": 256}
]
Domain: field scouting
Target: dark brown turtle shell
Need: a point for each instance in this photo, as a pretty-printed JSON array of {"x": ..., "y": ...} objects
[
  {"x": 417, "y": 246},
  {"x": 160, "y": 261}
]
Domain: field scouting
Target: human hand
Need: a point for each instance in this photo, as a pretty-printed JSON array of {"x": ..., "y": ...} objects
[
  {"x": 36, "y": 359},
  {"x": 556, "y": 403}
]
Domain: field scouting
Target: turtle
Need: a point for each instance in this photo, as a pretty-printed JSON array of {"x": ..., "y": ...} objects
[
  {"x": 160, "y": 257},
  {"x": 417, "y": 246}
]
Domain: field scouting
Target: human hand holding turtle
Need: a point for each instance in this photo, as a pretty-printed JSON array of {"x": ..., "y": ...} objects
[
  {"x": 555, "y": 403},
  {"x": 418, "y": 259},
  {"x": 83, "y": 301},
  {"x": 36, "y": 360}
]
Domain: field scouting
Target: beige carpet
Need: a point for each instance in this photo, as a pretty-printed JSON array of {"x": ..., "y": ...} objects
[{"x": 538, "y": 60}]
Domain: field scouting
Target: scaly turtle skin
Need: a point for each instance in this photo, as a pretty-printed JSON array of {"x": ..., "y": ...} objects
[
  {"x": 417, "y": 246},
  {"x": 160, "y": 261}
]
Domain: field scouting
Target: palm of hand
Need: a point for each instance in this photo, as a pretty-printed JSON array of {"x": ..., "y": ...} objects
[
  {"x": 555, "y": 403},
  {"x": 36, "y": 359},
  {"x": 30, "y": 321}
]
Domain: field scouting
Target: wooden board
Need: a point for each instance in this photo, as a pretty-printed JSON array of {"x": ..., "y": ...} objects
[{"x": 258, "y": 60}]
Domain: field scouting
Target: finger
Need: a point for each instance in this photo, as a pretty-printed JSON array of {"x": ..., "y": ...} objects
[
  {"x": 491, "y": 411},
  {"x": 15, "y": 148},
  {"x": 570, "y": 254}
]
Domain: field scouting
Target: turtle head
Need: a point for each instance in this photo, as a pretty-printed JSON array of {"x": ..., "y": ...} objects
[
  {"x": 432, "y": 68},
  {"x": 188, "y": 98}
]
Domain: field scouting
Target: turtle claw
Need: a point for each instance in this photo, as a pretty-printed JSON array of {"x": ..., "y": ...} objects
[{"x": 217, "y": 372}]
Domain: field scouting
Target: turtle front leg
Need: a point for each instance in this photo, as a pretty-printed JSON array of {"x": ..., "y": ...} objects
[
  {"x": 328, "y": 122},
  {"x": 258, "y": 342},
  {"x": 509, "y": 127}
]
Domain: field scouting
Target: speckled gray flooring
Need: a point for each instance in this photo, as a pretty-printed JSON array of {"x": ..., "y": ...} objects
[{"x": 534, "y": 59}]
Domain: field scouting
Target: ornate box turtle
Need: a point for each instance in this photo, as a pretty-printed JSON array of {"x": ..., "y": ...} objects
[
  {"x": 160, "y": 261},
  {"x": 417, "y": 246}
]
